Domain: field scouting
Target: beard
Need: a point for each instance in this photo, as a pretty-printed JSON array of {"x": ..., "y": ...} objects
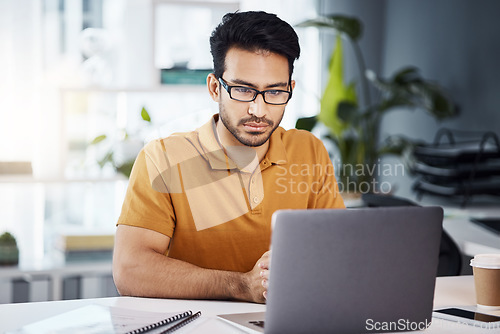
[{"x": 252, "y": 139}]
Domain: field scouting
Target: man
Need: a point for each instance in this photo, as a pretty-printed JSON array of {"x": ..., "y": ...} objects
[{"x": 196, "y": 220}]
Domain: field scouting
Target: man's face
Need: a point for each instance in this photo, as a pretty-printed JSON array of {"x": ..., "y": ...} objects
[{"x": 252, "y": 123}]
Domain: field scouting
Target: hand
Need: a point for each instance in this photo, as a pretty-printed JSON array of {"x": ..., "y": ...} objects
[{"x": 257, "y": 279}]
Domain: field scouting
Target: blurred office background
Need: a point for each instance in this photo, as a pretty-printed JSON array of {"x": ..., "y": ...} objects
[{"x": 74, "y": 70}]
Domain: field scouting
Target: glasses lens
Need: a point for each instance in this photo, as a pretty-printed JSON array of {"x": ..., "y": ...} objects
[
  {"x": 277, "y": 96},
  {"x": 242, "y": 93}
]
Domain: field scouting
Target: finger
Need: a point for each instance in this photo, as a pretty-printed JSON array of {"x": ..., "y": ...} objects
[
  {"x": 264, "y": 274},
  {"x": 264, "y": 260},
  {"x": 264, "y": 263}
]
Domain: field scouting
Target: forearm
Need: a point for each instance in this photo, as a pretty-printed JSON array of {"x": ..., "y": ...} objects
[{"x": 152, "y": 274}]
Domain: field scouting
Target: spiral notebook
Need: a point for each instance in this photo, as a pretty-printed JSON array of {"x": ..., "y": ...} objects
[{"x": 94, "y": 319}]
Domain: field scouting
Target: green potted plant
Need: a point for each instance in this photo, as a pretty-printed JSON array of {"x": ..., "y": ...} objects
[
  {"x": 9, "y": 253},
  {"x": 122, "y": 154},
  {"x": 353, "y": 126}
]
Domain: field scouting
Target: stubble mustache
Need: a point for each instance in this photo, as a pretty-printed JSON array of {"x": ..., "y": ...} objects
[{"x": 256, "y": 120}]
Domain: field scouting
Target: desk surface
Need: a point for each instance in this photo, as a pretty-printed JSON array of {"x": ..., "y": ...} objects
[{"x": 450, "y": 291}]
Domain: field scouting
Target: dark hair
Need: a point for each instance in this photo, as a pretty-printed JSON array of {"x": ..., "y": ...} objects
[{"x": 253, "y": 31}]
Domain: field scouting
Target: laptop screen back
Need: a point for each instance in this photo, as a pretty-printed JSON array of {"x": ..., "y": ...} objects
[{"x": 354, "y": 270}]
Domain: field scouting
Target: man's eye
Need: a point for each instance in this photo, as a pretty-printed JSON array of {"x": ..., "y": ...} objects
[
  {"x": 243, "y": 90},
  {"x": 274, "y": 92}
]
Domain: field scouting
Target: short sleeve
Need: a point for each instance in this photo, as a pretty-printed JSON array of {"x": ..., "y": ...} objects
[{"x": 146, "y": 203}]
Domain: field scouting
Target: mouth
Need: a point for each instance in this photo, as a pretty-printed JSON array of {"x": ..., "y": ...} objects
[{"x": 256, "y": 127}]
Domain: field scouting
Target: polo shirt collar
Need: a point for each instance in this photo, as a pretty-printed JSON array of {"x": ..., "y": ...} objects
[
  {"x": 212, "y": 149},
  {"x": 216, "y": 156},
  {"x": 276, "y": 154}
]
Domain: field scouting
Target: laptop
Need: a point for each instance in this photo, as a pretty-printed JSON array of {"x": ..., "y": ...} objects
[{"x": 349, "y": 271}]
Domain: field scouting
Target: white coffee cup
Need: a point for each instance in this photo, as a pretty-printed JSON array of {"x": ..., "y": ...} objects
[{"x": 486, "y": 269}]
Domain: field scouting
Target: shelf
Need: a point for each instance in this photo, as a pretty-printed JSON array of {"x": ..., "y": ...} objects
[
  {"x": 30, "y": 179},
  {"x": 138, "y": 89}
]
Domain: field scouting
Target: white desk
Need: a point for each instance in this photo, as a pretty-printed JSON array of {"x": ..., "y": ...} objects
[
  {"x": 450, "y": 291},
  {"x": 472, "y": 239}
]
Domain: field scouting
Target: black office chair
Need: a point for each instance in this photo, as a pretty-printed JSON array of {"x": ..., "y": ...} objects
[{"x": 450, "y": 258}]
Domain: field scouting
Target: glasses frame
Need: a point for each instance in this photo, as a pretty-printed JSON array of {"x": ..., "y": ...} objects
[{"x": 228, "y": 88}]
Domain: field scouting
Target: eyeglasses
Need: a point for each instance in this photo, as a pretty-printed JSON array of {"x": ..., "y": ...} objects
[{"x": 247, "y": 94}]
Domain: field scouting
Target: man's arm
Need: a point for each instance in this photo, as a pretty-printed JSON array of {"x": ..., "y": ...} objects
[{"x": 140, "y": 268}]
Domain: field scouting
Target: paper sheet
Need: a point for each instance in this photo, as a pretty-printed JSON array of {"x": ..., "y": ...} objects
[{"x": 96, "y": 319}]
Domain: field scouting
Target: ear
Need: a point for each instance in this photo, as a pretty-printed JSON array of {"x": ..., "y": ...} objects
[
  {"x": 213, "y": 87},
  {"x": 292, "y": 84}
]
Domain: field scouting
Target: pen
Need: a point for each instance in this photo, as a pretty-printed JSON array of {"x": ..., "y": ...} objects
[{"x": 182, "y": 323}]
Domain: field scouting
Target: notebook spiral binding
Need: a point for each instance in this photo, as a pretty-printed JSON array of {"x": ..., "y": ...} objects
[
  {"x": 162, "y": 323},
  {"x": 182, "y": 323}
]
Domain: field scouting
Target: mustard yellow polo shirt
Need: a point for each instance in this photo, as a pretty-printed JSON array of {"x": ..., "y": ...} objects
[{"x": 216, "y": 203}]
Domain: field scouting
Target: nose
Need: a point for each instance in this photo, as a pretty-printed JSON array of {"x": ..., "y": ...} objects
[{"x": 258, "y": 107}]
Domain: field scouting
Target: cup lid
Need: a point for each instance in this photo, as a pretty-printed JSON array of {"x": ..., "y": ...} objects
[{"x": 487, "y": 261}]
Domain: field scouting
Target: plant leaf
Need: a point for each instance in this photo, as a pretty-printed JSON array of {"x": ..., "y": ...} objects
[
  {"x": 395, "y": 144},
  {"x": 107, "y": 158},
  {"x": 347, "y": 24},
  {"x": 98, "y": 139},
  {"x": 126, "y": 168},
  {"x": 145, "y": 115},
  {"x": 408, "y": 89},
  {"x": 319, "y": 22},
  {"x": 335, "y": 92},
  {"x": 407, "y": 74},
  {"x": 306, "y": 123},
  {"x": 351, "y": 26},
  {"x": 347, "y": 111}
]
